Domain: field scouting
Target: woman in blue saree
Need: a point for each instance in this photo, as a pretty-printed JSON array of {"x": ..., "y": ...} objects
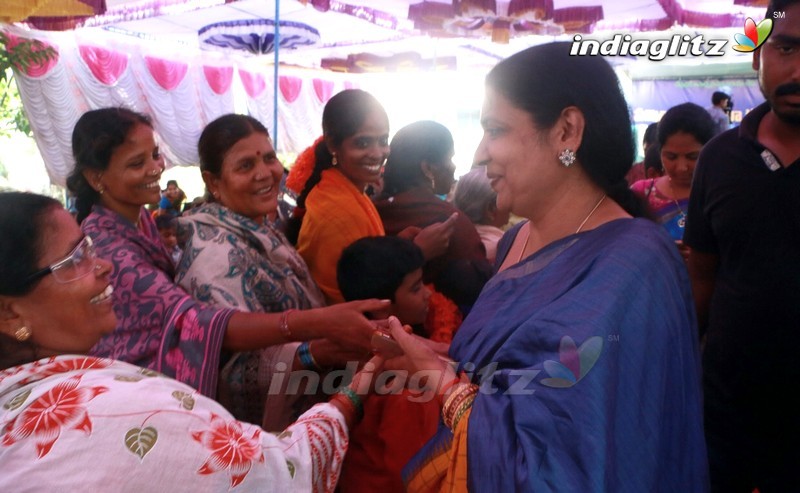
[{"x": 578, "y": 364}]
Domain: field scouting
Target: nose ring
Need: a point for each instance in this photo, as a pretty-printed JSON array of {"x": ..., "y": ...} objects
[{"x": 97, "y": 267}]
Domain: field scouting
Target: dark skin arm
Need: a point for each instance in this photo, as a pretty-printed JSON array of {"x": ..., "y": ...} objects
[
  {"x": 703, "y": 274},
  {"x": 344, "y": 324}
]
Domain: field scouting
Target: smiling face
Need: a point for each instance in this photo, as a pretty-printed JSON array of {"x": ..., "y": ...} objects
[
  {"x": 250, "y": 178},
  {"x": 172, "y": 192},
  {"x": 131, "y": 179},
  {"x": 520, "y": 160},
  {"x": 679, "y": 157},
  {"x": 778, "y": 65},
  {"x": 66, "y": 317},
  {"x": 362, "y": 155}
]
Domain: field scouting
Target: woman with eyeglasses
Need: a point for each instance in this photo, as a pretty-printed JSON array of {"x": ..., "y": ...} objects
[
  {"x": 160, "y": 326},
  {"x": 71, "y": 422}
]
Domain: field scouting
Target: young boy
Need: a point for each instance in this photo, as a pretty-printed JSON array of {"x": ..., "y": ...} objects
[
  {"x": 387, "y": 268},
  {"x": 394, "y": 428},
  {"x": 168, "y": 230}
]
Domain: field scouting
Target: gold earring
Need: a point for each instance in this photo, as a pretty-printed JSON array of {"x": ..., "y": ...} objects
[
  {"x": 22, "y": 334},
  {"x": 334, "y": 162}
]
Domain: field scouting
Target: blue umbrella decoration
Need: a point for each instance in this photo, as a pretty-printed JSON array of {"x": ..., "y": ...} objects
[{"x": 256, "y": 36}]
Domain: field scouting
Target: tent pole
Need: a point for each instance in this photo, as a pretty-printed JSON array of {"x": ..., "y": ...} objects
[{"x": 277, "y": 45}]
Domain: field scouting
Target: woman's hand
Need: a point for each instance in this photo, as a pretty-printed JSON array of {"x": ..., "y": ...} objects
[
  {"x": 346, "y": 325},
  {"x": 419, "y": 356},
  {"x": 435, "y": 239},
  {"x": 330, "y": 354}
]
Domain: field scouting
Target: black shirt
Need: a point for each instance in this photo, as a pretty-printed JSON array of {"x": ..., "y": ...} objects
[{"x": 745, "y": 208}]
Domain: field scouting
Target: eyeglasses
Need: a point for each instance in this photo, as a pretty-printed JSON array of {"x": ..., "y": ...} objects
[{"x": 79, "y": 263}]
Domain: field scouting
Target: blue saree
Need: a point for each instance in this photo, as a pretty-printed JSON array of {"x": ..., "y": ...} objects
[{"x": 587, "y": 356}]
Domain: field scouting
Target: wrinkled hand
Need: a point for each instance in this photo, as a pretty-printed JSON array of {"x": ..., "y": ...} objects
[
  {"x": 435, "y": 239},
  {"x": 419, "y": 356},
  {"x": 349, "y": 328}
]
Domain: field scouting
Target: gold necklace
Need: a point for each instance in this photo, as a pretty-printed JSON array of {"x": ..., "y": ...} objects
[
  {"x": 583, "y": 223},
  {"x": 590, "y": 213}
]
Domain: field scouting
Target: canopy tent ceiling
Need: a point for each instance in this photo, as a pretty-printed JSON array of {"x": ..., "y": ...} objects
[
  {"x": 155, "y": 56},
  {"x": 457, "y": 33}
]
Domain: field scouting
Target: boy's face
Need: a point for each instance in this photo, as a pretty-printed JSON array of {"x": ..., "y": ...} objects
[
  {"x": 169, "y": 237},
  {"x": 411, "y": 299}
]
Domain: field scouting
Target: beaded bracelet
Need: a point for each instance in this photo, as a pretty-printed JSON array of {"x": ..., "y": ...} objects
[
  {"x": 457, "y": 402},
  {"x": 284, "y": 326},
  {"x": 466, "y": 406},
  {"x": 346, "y": 404},
  {"x": 354, "y": 398},
  {"x": 306, "y": 358}
]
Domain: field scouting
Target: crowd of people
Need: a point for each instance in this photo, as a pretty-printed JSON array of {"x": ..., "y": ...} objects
[{"x": 382, "y": 337}]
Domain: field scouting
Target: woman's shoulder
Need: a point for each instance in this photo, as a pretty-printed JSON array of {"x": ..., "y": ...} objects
[{"x": 636, "y": 240}]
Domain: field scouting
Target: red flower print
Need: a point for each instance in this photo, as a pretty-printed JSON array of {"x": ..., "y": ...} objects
[
  {"x": 230, "y": 449},
  {"x": 62, "y": 407},
  {"x": 64, "y": 365}
]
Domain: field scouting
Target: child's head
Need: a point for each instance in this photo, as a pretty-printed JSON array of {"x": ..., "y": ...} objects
[
  {"x": 168, "y": 230},
  {"x": 389, "y": 268}
]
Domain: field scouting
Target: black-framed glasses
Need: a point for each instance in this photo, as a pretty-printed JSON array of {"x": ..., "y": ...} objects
[{"x": 79, "y": 263}]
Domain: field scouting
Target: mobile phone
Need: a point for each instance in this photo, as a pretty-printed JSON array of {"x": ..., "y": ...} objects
[{"x": 385, "y": 345}]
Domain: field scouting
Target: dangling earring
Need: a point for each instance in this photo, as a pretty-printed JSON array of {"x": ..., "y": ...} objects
[
  {"x": 433, "y": 183},
  {"x": 22, "y": 334},
  {"x": 101, "y": 190},
  {"x": 334, "y": 162},
  {"x": 567, "y": 157}
]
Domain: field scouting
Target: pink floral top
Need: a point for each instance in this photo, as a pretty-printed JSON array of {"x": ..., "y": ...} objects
[{"x": 80, "y": 423}]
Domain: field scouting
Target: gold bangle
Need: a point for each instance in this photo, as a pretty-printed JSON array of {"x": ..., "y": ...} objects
[{"x": 466, "y": 406}]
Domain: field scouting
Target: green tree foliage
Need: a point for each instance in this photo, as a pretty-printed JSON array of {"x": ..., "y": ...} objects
[{"x": 18, "y": 56}]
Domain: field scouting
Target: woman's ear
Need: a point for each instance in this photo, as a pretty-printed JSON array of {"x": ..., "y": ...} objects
[
  {"x": 212, "y": 183},
  {"x": 569, "y": 128},
  {"x": 10, "y": 320},
  {"x": 94, "y": 178},
  {"x": 427, "y": 170}
]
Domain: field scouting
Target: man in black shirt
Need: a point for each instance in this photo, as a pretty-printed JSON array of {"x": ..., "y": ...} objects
[{"x": 744, "y": 231}]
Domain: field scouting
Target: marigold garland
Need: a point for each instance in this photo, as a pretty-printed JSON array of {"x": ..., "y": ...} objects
[
  {"x": 444, "y": 317},
  {"x": 302, "y": 168}
]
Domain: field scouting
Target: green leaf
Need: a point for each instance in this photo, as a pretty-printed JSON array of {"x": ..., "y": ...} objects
[
  {"x": 292, "y": 470},
  {"x": 149, "y": 373},
  {"x": 185, "y": 398},
  {"x": 17, "y": 401},
  {"x": 141, "y": 441}
]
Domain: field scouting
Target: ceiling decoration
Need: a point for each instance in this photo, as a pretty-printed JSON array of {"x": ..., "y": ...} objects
[
  {"x": 400, "y": 62},
  {"x": 378, "y": 35},
  {"x": 375, "y": 16},
  {"x": 256, "y": 36},
  {"x": 65, "y": 14}
]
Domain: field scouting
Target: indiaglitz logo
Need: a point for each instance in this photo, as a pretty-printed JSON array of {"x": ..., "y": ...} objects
[
  {"x": 574, "y": 362},
  {"x": 654, "y": 49},
  {"x": 754, "y": 35}
]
